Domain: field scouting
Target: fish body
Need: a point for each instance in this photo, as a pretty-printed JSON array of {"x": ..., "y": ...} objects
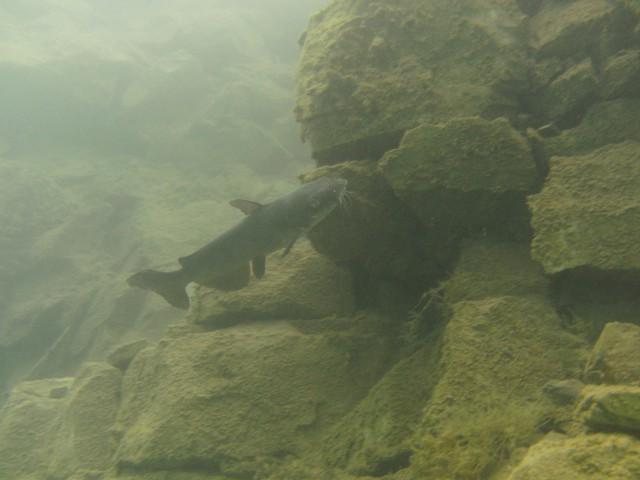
[{"x": 265, "y": 229}]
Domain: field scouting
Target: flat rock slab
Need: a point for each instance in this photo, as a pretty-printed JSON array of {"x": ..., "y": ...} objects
[
  {"x": 233, "y": 398},
  {"x": 588, "y": 213},
  {"x": 457, "y": 173},
  {"x": 615, "y": 358},
  {"x": 586, "y": 457},
  {"x": 302, "y": 285},
  {"x": 610, "y": 407}
]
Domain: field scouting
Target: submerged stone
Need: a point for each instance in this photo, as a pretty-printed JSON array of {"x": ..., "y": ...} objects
[
  {"x": 615, "y": 357},
  {"x": 621, "y": 75},
  {"x": 588, "y": 213},
  {"x": 586, "y": 457},
  {"x": 610, "y": 407},
  {"x": 370, "y": 70},
  {"x": 463, "y": 174},
  {"x": 604, "y": 123}
]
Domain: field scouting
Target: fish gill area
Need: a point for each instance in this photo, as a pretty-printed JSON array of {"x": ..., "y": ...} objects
[{"x": 472, "y": 313}]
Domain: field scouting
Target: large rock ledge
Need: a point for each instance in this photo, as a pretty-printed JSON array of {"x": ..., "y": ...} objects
[{"x": 588, "y": 213}]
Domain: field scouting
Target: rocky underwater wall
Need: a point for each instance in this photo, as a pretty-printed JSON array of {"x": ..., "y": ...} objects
[{"x": 471, "y": 314}]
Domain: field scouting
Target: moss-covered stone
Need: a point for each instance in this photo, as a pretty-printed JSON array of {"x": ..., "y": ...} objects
[
  {"x": 370, "y": 70},
  {"x": 586, "y": 457},
  {"x": 28, "y": 422},
  {"x": 571, "y": 91},
  {"x": 239, "y": 400},
  {"x": 621, "y": 75},
  {"x": 83, "y": 441},
  {"x": 121, "y": 356},
  {"x": 374, "y": 438},
  {"x": 604, "y": 123},
  {"x": 377, "y": 233},
  {"x": 462, "y": 174},
  {"x": 588, "y": 213},
  {"x": 499, "y": 348},
  {"x": 610, "y": 407},
  {"x": 488, "y": 268},
  {"x": 562, "y": 28},
  {"x": 615, "y": 357},
  {"x": 301, "y": 285}
]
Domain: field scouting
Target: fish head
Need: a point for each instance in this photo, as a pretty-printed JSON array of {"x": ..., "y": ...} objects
[{"x": 315, "y": 200}]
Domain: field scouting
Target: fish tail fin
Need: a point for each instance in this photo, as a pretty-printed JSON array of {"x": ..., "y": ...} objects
[{"x": 169, "y": 285}]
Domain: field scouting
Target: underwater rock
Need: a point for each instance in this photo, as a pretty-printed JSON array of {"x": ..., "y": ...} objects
[
  {"x": 610, "y": 408},
  {"x": 301, "y": 285},
  {"x": 615, "y": 357},
  {"x": 497, "y": 351},
  {"x": 28, "y": 422},
  {"x": 236, "y": 399},
  {"x": 582, "y": 26},
  {"x": 569, "y": 93},
  {"x": 121, "y": 356},
  {"x": 487, "y": 267},
  {"x": 373, "y": 439},
  {"x": 604, "y": 123},
  {"x": 621, "y": 75},
  {"x": 462, "y": 175},
  {"x": 588, "y": 213},
  {"x": 83, "y": 439},
  {"x": 377, "y": 234},
  {"x": 368, "y": 71},
  {"x": 563, "y": 391},
  {"x": 585, "y": 457}
]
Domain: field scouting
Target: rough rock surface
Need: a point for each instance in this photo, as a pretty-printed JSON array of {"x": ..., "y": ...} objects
[
  {"x": 478, "y": 169},
  {"x": 615, "y": 358},
  {"x": 28, "y": 422},
  {"x": 586, "y": 457},
  {"x": 235, "y": 398},
  {"x": 562, "y": 28},
  {"x": 610, "y": 408},
  {"x": 370, "y": 70},
  {"x": 302, "y": 285},
  {"x": 83, "y": 440},
  {"x": 499, "y": 347},
  {"x": 573, "y": 90},
  {"x": 588, "y": 213},
  {"x": 621, "y": 75},
  {"x": 607, "y": 122}
]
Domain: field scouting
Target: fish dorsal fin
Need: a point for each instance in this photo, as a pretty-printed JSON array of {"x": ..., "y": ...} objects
[{"x": 246, "y": 206}]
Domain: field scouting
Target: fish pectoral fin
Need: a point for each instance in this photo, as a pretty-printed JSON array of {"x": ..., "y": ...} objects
[
  {"x": 259, "y": 265},
  {"x": 246, "y": 206},
  {"x": 289, "y": 247}
]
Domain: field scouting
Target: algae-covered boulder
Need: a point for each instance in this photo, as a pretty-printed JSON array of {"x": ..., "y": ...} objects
[
  {"x": 28, "y": 422},
  {"x": 499, "y": 347},
  {"x": 588, "y": 213},
  {"x": 571, "y": 91},
  {"x": 604, "y": 123},
  {"x": 83, "y": 440},
  {"x": 374, "y": 438},
  {"x": 564, "y": 28},
  {"x": 615, "y": 357},
  {"x": 486, "y": 268},
  {"x": 586, "y": 457},
  {"x": 301, "y": 285},
  {"x": 610, "y": 408},
  {"x": 621, "y": 75},
  {"x": 465, "y": 173},
  {"x": 236, "y": 399},
  {"x": 377, "y": 233},
  {"x": 370, "y": 70}
]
